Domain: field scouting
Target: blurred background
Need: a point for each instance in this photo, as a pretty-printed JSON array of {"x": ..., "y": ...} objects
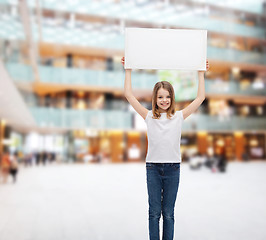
[{"x": 61, "y": 88}]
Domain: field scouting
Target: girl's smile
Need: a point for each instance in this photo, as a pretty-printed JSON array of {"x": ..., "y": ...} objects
[{"x": 164, "y": 104}]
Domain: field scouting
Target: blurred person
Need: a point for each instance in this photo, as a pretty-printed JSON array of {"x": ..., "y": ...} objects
[
  {"x": 87, "y": 158},
  {"x": 53, "y": 156},
  {"x": 24, "y": 160},
  {"x": 59, "y": 158},
  {"x": 20, "y": 156},
  {"x": 163, "y": 159},
  {"x": 28, "y": 159},
  {"x": 210, "y": 160},
  {"x": 245, "y": 155},
  {"x": 196, "y": 161},
  {"x": 215, "y": 160},
  {"x": 44, "y": 157},
  {"x": 5, "y": 166},
  {"x": 49, "y": 157},
  {"x": 38, "y": 158},
  {"x": 13, "y": 170},
  {"x": 193, "y": 161},
  {"x": 185, "y": 157},
  {"x": 222, "y": 162}
]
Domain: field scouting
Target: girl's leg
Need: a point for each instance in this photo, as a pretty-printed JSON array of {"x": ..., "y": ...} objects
[
  {"x": 154, "y": 185},
  {"x": 170, "y": 189}
]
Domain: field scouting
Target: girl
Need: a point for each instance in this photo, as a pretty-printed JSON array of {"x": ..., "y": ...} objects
[{"x": 163, "y": 157}]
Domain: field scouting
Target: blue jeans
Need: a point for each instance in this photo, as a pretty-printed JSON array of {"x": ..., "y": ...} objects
[{"x": 162, "y": 184}]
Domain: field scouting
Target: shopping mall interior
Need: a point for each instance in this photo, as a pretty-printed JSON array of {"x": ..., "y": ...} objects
[
  {"x": 64, "y": 65},
  {"x": 62, "y": 102}
]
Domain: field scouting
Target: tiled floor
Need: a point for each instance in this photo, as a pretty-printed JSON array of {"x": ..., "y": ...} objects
[{"x": 78, "y": 202}]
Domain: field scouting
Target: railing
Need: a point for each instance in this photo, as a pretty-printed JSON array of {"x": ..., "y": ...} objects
[
  {"x": 116, "y": 119},
  {"x": 20, "y": 72},
  {"x": 24, "y": 73},
  {"x": 219, "y": 123},
  {"x": 77, "y": 119},
  {"x": 232, "y": 88},
  {"x": 232, "y": 55}
]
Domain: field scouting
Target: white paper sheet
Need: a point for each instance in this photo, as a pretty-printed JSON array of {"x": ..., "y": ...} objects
[{"x": 150, "y": 48}]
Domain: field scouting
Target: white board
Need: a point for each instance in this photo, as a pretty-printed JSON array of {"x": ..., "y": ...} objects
[{"x": 150, "y": 48}]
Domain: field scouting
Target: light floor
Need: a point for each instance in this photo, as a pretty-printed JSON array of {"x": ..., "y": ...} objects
[{"x": 109, "y": 202}]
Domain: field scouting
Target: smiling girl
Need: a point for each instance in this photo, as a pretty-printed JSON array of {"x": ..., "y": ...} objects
[{"x": 163, "y": 158}]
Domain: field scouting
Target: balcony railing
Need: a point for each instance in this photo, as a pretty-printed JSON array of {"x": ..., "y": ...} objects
[
  {"x": 77, "y": 119},
  {"x": 116, "y": 119},
  {"x": 75, "y": 76},
  {"x": 200, "y": 122}
]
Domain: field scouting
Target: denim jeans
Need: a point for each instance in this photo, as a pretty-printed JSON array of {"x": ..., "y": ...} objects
[{"x": 162, "y": 184}]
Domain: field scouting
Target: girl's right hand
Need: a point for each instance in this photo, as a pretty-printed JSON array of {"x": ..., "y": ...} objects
[{"x": 123, "y": 61}]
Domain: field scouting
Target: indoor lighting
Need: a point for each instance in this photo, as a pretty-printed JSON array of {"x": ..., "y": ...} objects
[
  {"x": 202, "y": 133},
  {"x": 245, "y": 110},
  {"x": 220, "y": 142},
  {"x": 3, "y": 122},
  {"x": 238, "y": 134},
  {"x": 91, "y": 133},
  {"x": 253, "y": 142},
  {"x": 81, "y": 104},
  {"x": 236, "y": 70},
  {"x": 260, "y": 110},
  {"x": 133, "y": 133},
  {"x": 115, "y": 132}
]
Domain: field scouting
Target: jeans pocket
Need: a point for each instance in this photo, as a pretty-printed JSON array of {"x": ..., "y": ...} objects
[
  {"x": 149, "y": 165},
  {"x": 175, "y": 165}
]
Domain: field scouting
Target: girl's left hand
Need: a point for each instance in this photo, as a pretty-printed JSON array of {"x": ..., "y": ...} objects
[{"x": 207, "y": 67}]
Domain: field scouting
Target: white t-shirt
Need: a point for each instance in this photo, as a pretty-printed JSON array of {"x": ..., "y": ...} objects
[{"x": 164, "y": 138}]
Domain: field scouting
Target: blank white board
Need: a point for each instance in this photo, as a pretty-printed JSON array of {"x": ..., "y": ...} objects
[{"x": 150, "y": 48}]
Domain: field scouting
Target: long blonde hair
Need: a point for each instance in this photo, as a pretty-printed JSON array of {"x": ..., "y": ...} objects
[{"x": 155, "y": 109}]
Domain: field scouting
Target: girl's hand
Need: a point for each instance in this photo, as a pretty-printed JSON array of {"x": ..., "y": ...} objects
[
  {"x": 123, "y": 62},
  {"x": 207, "y": 67}
]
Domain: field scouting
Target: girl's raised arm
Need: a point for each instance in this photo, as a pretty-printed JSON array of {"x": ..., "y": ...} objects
[
  {"x": 142, "y": 111},
  {"x": 192, "y": 107}
]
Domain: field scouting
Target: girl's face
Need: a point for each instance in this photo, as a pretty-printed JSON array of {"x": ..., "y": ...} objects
[{"x": 163, "y": 100}]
